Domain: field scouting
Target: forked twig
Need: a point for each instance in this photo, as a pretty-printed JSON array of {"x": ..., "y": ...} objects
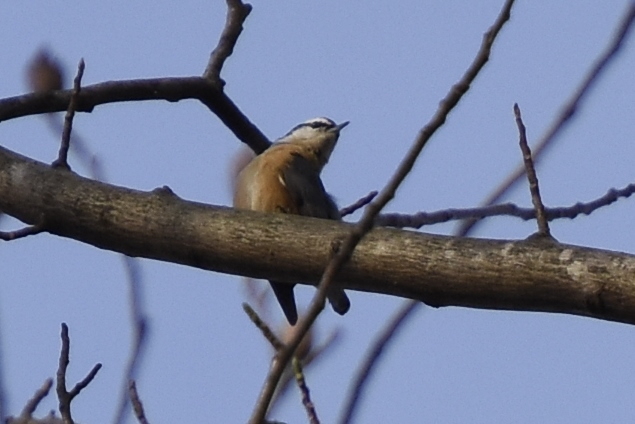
[
  {"x": 65, "y": 397},
  {"x": 567, "y": 112},
  {"x": 237, "y": 12},
  {"x": 278, "y": 345},
  {"x": 366, "y": 223}
]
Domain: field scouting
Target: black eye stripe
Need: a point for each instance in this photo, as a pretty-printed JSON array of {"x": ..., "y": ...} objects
[
  {"x": 297, "y": 127},
  {"x": 314, "y": 124},
  {"x": 320, "y": 124},
  {"x": 311, "y": 125}
]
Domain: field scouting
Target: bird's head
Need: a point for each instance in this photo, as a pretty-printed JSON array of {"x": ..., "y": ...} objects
[{"x": 318, "y": 134}]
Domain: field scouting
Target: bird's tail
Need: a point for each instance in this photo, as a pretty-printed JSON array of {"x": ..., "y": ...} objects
[
  {"x": 284, "y": 293},
  {"x": 339, "y": 301},
  {"x": 286, "y": 299}
]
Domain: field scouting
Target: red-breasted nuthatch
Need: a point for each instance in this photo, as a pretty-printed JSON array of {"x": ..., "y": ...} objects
[{"x": 285, "y": 178}]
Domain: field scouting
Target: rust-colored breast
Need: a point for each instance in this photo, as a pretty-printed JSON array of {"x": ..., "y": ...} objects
[{"x": 261, "y": 185}]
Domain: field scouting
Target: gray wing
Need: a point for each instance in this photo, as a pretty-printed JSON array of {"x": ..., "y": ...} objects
[{"x": 305, "y": 186}]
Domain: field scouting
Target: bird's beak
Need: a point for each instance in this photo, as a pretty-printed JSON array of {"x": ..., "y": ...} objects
[{"x": 340, "y": 126}]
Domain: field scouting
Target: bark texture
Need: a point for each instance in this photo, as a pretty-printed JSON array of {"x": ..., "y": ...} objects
[{"x": 526, "y": 275}]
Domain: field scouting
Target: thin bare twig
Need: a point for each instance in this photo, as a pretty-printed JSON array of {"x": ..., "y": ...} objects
[
  {"x": 140, "y": 332},
  {"x": 62, "y": 157},
  {"x": 65, "y": 398},
  {"x": 366, "y": 222},
  {"x": 263, "y": 327},
  {"x": 567, "y": 112},
  {"x": 22, "y": 232},
  {"x": 137, "y": 406},
  {"x": 32, "y": 404},
  {"x": 420, "y": 219},
  {"x": 304, "y": 391},
  {"x": 534, "y": 188},
  {"x": 278, "y": 345},
  {"x": 62, "y": 394},
  {"x": 45, "y": 75},
  {"x": 85, "y": 382},
  {"x": 372, "y": 357},
  {"x": 358, "y": 204},
  {"x": 79, "y": 148},
  {"x": 312, "y": 358},
  {"x": 237, "y": 12}
]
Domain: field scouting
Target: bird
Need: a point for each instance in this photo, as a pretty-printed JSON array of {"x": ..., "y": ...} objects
[{"x": 285, "y": 178}]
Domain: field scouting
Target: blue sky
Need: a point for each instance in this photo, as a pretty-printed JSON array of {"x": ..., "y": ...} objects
[{"x": 383, "y": 66}]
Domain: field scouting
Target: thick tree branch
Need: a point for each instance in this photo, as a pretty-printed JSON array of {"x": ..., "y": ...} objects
[
  {"x": 438, "y": 270},
  {"x": 170, "y": 89}
]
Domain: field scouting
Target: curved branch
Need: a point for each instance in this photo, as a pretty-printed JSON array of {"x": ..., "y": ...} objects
[
  {"x": 437, "y": 270},
  {"x": 170, "y": 89}
]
